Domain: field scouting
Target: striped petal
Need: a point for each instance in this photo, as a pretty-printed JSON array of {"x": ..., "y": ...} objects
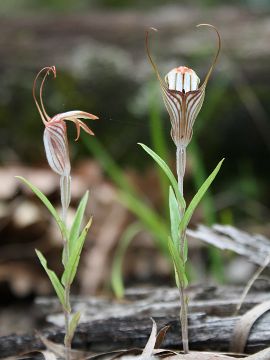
[
  {"x": 75, "y": 117},
  {"x": 193, "y": 105},
  {"x": 174, "y": 104},
  {"x": 56, "y": 147},
  {"x": 71, "y": 115},
  {"x": 183, "y": 110}
]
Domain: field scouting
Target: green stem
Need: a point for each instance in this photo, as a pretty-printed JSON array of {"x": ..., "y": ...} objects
[
  {"x": 184, "y": 318},
  {"x": 181, "y": 167},
  {"x": 67, "y": 319},
  {"x": 65, "y": 200}
]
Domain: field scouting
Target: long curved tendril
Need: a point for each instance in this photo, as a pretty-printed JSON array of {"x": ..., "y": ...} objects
[
  {"x": 41, "y": 109},
  {"x": 150, "y": 57},
  {"x": 216, "y": 55},
  {"x": 53, "y": 69}
]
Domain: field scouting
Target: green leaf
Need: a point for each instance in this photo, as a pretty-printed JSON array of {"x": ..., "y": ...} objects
[
  {"x": 174, "y": 217},
  {"x": 54, "y": 280},
  {"x": 197, "y": 198},
  {"x": 185, "y": 249},
  {"x": 168, "y": 172},
  {"x": 76, "y": 226},
  {"x": 178, "y": 263},
  {"x": 74, "y": 258},
  {"x": 73, "y": 325},
  {"x": 48, "y": 205},
  {"x": 124, "y": 241}
]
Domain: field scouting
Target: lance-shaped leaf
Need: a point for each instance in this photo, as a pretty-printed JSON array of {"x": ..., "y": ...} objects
[
  {"x": 197, "y": 198},
  {"x": 48, "y": 205},
  {"x": 54, "y": 280},
  {"x": 73, "y": 325},
  {"x": 179, "y": 264},
  {"x": 74, "y": 257},
  {"x": 77, "y": 222},
  {"x": 167, "y": 171}
]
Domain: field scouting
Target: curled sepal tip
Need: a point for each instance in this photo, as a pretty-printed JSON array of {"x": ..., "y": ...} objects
[
  {"x": 216, "y": 54},
  {"x": 40, "y": 106},
  {"x": 162, "y": 83}
]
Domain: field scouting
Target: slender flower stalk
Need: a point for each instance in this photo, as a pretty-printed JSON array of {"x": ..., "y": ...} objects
[
  {"x": 183, "y": 100},
  {"x": 57, "y": 153}
]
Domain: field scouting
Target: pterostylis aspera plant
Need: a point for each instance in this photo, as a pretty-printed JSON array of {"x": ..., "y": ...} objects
[
  {"x": 57, "y": 153},
  {"x": 183, "y": 98}
]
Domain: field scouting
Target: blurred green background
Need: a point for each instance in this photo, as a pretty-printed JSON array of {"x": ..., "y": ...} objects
[{"x": 99, "y": 51}]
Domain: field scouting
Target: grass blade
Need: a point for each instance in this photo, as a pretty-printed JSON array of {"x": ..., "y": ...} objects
[
  {"x": 129, "y": 196},
  {"x": 124, "y": 241},
  {"x": 149, "y": 218},
  {"x": 107, "y": 163}
]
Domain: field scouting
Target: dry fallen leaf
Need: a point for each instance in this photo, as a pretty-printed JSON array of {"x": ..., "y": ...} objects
[
  {"x": 48, "y": 355},
  {"x": 149, "y": 347},
  {"x": 244, "y": 325},
  {"x": 200, "y": 356},
  {"x": 59, "y": 350}
]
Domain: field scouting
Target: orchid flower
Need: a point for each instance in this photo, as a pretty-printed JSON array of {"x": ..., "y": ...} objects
[
  {"x": 55, "y": 136},
  {"x": 183, "y": 99}
]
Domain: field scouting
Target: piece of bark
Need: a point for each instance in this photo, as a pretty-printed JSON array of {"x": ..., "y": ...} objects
[
  {"x": 254, "y": 247},
  {"x": 110, "y": 325}
]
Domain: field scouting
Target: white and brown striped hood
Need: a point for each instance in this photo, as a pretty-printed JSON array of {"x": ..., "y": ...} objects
[{"x": 182, "y": 95}]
